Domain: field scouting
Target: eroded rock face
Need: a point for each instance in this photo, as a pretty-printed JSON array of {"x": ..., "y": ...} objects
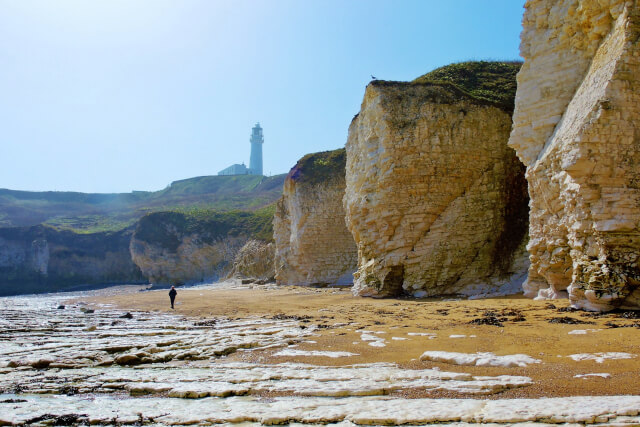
[
  {"x": 169, "y": 249},
  {"x": 435, "y": 199},
  {"x": 255, "y": 260},
  {"x": 575, "y": 128},
  {"x": 192, "y": 262},
  {"x": 43, "y": 259},
  {"x": 313, "y": 245}
]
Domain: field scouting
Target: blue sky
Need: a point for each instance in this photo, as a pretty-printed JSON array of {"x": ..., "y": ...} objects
[{"x": 121, "y": 95}]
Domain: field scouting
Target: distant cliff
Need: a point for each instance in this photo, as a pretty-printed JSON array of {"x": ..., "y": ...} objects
[
  {"x": 435, "y": 199},
  {"x": 313, "y": 245},
  {"x": 42, "y": 259},
  {"x": 194, "y": 246},
  {"x": 255, "y": 260},
  {"x": 86, "y": 238}
]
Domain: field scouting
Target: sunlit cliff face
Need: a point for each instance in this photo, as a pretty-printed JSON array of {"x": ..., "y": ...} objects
[
  {"x": 575, "y": 128},
  {"x": 435, "y": 199}
]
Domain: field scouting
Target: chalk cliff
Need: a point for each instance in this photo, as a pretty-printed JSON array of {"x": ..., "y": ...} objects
[
  {"x": 43, "y": 259},
  {"x": 255, "y": 260},
  {"x": 576, "y": 130},
  {"x": 435, "y": 199},
  {"x": 191, "y": 247},
  {"x": 313, "y": 245}
]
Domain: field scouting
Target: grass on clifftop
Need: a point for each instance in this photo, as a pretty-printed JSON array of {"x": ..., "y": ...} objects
[
  {"x": 92, "y": 213},
  {"x": 319, "y": 167},
  {"x": 487, "y": 80},
  {"x": 166, "y": 229}
]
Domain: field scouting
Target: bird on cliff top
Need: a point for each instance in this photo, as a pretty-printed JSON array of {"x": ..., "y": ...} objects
[{"x": 373, "y": 77}]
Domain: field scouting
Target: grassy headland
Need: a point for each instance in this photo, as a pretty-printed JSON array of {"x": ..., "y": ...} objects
[
  {"x": 493, "y": 81},
  {"x": 53, "y": 241},
  {"x": 319, "y": 167},
  {"x": 91, "y": 213},
  {"x": 164, "y": 228}
]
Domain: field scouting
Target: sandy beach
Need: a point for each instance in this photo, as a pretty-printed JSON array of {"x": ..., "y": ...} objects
[
  {"x": 570, "y": 345},
  {"x": 233, "y": 353}
]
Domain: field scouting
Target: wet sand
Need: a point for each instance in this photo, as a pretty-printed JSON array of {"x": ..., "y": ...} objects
[{"x": 346, "y": 322}]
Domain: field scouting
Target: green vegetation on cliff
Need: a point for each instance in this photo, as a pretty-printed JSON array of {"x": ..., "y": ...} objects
[
  {"x": 167, "y": 229},
  {"x": 91, "y": 213},
  {"x": 51, "y": 241},
  {"x": 493, "y": 81},
  {"x": 319, "y": 167}
]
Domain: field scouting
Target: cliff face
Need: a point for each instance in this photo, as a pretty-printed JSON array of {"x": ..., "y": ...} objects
[
  {"x": 255, "y": 260},
  {"x": 42, "y": 259},
  {"x": 575, "y": 128},
  {"x": 313, "y": 245},
  {"x": 435, "y": 200},
  {"x": 174, "y": 247},
  {"x": 193, "y": 260}
]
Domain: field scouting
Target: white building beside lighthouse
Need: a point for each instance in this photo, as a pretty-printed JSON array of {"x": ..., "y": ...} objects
[{"x": 255, "y": 160}]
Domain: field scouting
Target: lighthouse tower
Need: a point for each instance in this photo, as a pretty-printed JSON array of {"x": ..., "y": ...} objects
[{"x": 255, "y": 161}]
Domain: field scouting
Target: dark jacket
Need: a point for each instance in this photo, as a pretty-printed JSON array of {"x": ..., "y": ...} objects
[{"x": 173, "y": 293}]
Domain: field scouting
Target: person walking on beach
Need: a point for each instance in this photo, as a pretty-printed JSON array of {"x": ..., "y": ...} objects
[{"x": 172, "y": 295}]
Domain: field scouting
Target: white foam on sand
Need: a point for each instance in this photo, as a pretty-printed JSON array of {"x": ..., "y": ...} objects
[
  {"x": 430, "y": 335},
  {"x": 225, "y": 379},
  {"x": 479, "y": 359},
  {"x": 77, "y": 337},
  {"x": 586, "y": 376},
  {"x": 314, "y": 353},
  {"x": 601, "y": 357},
  {"x": 371, "y": 339},
  {"x": 378, "y": 410},
  {"x": 582, "y": 331}
]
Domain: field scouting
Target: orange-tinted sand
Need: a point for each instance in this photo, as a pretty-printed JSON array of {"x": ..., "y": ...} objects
[{"x": 340, "y": 315}]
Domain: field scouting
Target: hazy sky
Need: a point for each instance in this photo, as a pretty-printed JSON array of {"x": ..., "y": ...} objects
[{"x": 114, "y": 96}]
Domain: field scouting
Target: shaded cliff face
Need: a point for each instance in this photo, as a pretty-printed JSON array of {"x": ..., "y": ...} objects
[
  {"x": 42, "y": 259},
  {"x": 255, "y": 260},
  {"x": 436, "y": 201},
  {"x": 313, "y": 245},
  {"x": 175, "y": 247},
  {"x": 575, "y": 128}
]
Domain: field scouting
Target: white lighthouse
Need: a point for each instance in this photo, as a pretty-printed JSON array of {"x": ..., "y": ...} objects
[{"x": 255, "y": 161}]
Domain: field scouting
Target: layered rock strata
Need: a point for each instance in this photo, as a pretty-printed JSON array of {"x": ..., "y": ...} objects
[
  {"x": 255, "y": 260},
  {"x": 313, "y": 245},
  {"x": 576, "y": 130},
  {"x": 42, "y": 259},
  {"x": 435, "y": 200},
  {"x": 171, "y": 247}
]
